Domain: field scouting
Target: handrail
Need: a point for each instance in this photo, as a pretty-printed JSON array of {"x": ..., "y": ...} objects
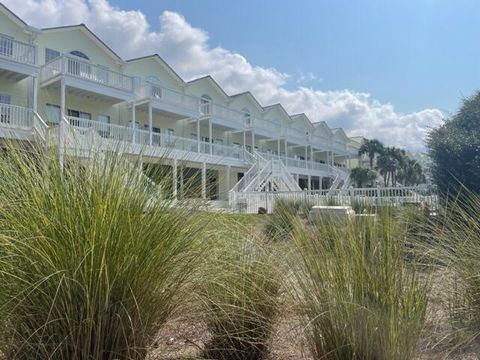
[
  {"x": 159, "y": 92},
  {"x": 18, "y": 51},
  {"x": 83, "y": 69}
]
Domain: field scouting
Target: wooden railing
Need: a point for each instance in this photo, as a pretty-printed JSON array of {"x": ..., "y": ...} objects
[
  {"x": 16, "y": 116},
  {"x": 83, "y": 69},
  {"x": 17, "y": 50}
]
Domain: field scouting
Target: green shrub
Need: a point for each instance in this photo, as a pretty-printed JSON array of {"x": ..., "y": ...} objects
[
  {"x": 279, "y": 224},
  {"x": 241, "y": 298},
  {"x": 91, "y": 265},
  {"x": 356, "y": 296}
]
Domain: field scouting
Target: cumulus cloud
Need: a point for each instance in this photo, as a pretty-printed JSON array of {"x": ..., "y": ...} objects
[{"x": 188, "y": 51}]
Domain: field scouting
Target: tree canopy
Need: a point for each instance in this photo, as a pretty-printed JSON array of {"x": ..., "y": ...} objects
[{"x": 454, "y": 149}]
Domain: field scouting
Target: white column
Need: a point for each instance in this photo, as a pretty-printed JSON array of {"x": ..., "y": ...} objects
[
  {"x": 210, "y": 135},
  {"x": 35, "y": 94},
  {"x": 320, "y": 180},
  {"x": 150, "y": 122},
  {"x": 253, "y": 140},
  {"x": 133, "y": 121},
  {"x": 309, "y": 185},
  {"x": 278, "y": 147},
  {"x": 62, "y": 99},
  {"x": 174, "y": 178},
  {"x": 244, "y": 140},
  {"x": 227, "y": 177},
  {"x": 198, "y": 135},
  {"x": 286, "y": 149},
  {"x": 181, "y": 182},
  {"x": 204, "y": 180}
]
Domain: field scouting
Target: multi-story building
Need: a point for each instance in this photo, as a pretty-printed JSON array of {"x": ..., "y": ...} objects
[{"x": 68, "y": 82}]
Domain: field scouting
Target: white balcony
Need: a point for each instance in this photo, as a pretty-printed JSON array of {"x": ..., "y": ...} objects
[
  {"x": 17, "y": 59},
  {"x": 296, "y": 165},
  {"x": 86, "y": 77},
  {"x": 21, "y": 123},
  {"x": 223, "y": 115},
  {"x": 168, "y": 102},
  {"x": 154, "y": 144},
  {"x": 295, "y": 135},
  {"x": 264, "y": 128}
]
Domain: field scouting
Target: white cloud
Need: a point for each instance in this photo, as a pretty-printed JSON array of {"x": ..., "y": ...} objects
[{"x": 189, "y": 52}]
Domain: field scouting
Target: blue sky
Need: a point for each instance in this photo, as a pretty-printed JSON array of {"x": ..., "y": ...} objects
[
  {"x": 390, "y": 70},
  {"x": 413, "y": 53}
]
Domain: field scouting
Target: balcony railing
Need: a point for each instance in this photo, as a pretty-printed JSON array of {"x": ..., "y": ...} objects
[
  {"x": 271, "y": 126},
  {"x": 142, "y": 137},
  {"x": 213, "y": 109},
  {"x": 298, "y": 163},
  {"x": 161, "y": 93},
  {"x": 13, "y": 116},
  {"x": 17, "y": 51},
  {"x": 67, "y": 65}
]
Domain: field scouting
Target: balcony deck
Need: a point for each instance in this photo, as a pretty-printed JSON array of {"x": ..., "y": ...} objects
[
  {"x": 85, "y": 77},
  {"x": 17, "y": 59},
  {"x": 20, "y": 123}
]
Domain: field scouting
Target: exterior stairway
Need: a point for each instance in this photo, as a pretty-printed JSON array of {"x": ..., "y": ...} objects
[{"x": 266, "y": 175}]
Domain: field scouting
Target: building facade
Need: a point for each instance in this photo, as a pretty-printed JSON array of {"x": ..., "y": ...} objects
[{"x": 68, "y": 82}]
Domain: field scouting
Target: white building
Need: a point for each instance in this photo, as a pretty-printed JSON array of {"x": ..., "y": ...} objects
[{"x": 68, "y": 82}]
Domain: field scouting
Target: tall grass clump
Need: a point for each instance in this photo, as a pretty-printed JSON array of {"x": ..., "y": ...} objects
[
  {"x": 455, "y": 240},
  {"x": 241, "y": 300},
  {"x": 91, "y": 265},
  {"x": 357, "y": 297},
  {"x": 279, "y": 225}
]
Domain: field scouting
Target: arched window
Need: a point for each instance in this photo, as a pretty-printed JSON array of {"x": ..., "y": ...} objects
[
  {"x": 79, "y": 54},
  {"x": 247, "y": 116},
  {"x": 206, "y": 104}
]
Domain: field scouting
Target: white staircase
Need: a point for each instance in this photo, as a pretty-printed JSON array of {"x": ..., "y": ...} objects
[
  {"x": 266, "y": 175},
  {"x": 341, "y": 180}
]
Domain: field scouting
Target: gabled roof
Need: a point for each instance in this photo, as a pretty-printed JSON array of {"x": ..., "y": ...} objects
[
  {"x": 211, "y": 81},
  {"x": 340, "y": 133},
  {"x": 279, "y": 107},
  {"x": 162, "y": 63},
  {"x": 12, "y": 16},
  {"x": 251, "y": 98},
  {"x": 303, "y": 118},
  {"x": 89, "y": 33},
  {"x": 323, "y": 125}
]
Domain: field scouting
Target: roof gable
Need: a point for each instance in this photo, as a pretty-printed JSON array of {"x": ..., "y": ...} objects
[
  {"x": 13, "y": 17},
  {"x": 323, "y": 128},
  {"x": 90, "y": 34},
  {"x": 158, "y": 59},
  {"x": 212, "y": 83},
  {"x": 339, "y": 133},
  {"x": 303, "y": 118},
  {"x": 249, "y": 96},
  {"x": 280, "y": 109}
]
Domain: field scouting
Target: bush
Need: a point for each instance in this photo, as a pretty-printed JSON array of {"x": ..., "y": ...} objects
[
  {"x": 242, "y": 301},
  {"x": 91, "y": 265},
  {"x": 356, "y": 297}
]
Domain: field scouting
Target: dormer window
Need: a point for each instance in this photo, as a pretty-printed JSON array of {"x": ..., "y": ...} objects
[{"x": 79, "y": 54}]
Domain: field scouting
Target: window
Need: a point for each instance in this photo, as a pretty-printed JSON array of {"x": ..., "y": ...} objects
[
  {"x": 51, "y": 54},
  {"x": 77, "y": 118},
  {"x": 247, "y": 116},
  {"x": 6, "y": 46},
  {"x": 5, "y": 110},
  {"x": 53, "y": 114},
  {"x": 79, "y": 54},
  {"x": 206, "y": 104}
]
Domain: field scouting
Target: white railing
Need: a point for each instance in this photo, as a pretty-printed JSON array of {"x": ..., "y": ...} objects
[
  {"x": 210, "y": 108},
  {"x": 250, "y": 202},
  {"x": 83, "y": 69},
  {"x": 142, "y": 137},
  {"x": 298, "y": 163},
  {"x": 17, "y": 51},
  {"x": 161, "y": 93},
  {"x": 18, "y": 117}
]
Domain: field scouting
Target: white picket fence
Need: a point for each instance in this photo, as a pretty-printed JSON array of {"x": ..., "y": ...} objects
[{"x": 250, "y": 202}]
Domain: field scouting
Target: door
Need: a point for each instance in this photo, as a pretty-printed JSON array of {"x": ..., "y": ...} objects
[{"x": 5, "y": 110}]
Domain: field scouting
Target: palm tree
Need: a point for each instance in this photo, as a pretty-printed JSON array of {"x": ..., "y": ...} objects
[
  {"x": 371, "y": 148},
  {"x": 410, "y": 173},
  {"x": 362, "y": 176},
  {"x": 388, "y": 163}
]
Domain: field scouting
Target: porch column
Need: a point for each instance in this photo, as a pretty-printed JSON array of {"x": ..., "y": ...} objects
[
  {"x": 296, "y": 178},
  {"x": 204, "y": 180},
  {"x": 286, "y": 149},
  {"x": 133, "y": 122},
  {"x": 278, "y": 147},
  {"x": 210, "y": 134},
  {"x": 150, "y": 122},
  {"x": 320, "y": 180},
  {"x": 35, "y": 94},
  {"x": 174, "y": 178},
  {"x": 227, "y": 178},
  {"x": 62, "y": 99},
  {"x": 253, "y": 141},
  {"x": 198, "y": 135},
  {"x": 309, "y": 185},
  {"x": 181, "y": 182},
  {"x": 244, "y": 140}
]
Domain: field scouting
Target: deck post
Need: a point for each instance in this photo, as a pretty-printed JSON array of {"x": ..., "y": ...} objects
[
  {"x": 133, "y": 122},
  {"x": 198, "y": 135},
  {"x": 210, "y": 135},
  {"x": 204, "y": 180},
  {"x": 174, "y": 176},
  {"x": 150, "y": 123},
  {"x": 227, "y": 177},
  {"x": 309, "y": 186},
  {"x": 35, "y": 94}
]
